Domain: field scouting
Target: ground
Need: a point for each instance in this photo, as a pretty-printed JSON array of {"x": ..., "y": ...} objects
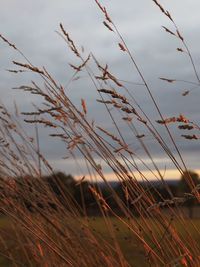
[{"x": 131, "y": 248}]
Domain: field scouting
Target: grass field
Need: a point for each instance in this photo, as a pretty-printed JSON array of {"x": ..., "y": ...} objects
[{"x": 131, "y": 248}]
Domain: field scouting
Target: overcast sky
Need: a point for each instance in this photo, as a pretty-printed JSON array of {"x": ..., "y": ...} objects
[{"x": 31, "y": 25}]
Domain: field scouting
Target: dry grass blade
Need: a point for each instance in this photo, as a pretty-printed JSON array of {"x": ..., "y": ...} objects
[
  {"x": 7, "y": 42},
  {"x": 167, "y": 80},
  {"x": 30, "y": 67},
  {"x": 70, "y": 41},
  {"x": 83, "y": 104},
  {"x": 190, "y": 137},
  {"x": 108, "y": 26},
  {"x": 169, "y": 31}
]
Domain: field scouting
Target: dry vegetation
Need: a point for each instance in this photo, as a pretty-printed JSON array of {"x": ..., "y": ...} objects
[{"x": 65, "y": 236}]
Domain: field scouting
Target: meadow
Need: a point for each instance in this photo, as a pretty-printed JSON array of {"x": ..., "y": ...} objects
[
  {"x": 42, "y": 223},
  {"x": 131, "y": 248}
]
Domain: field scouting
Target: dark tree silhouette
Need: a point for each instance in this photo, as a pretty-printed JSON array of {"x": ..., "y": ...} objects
[{"x": 183, "y": 187}]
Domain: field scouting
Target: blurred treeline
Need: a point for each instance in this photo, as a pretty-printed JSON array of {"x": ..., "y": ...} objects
[{"x": 67, "y": 191}]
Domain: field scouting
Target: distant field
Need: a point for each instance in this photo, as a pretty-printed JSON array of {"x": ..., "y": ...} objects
[{"x": 131, "y": 248}]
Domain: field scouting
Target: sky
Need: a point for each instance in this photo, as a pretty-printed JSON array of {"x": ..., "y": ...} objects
[{"x": 32, "y": 26}]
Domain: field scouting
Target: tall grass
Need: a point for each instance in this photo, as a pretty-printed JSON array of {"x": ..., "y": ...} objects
[{"x": 64, "y": 236}]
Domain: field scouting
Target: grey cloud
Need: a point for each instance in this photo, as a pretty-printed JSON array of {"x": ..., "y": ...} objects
[{"x": 32, "y": 24}]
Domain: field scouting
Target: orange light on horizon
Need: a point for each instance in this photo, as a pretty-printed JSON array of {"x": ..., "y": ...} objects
[{"x": 169, "y": 174}]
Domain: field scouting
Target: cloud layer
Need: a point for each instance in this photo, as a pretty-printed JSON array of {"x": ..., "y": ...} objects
[{"x": 31, "y": 26}]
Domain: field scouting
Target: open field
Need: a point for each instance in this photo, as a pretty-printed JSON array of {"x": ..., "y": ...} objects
[{"x": 131, "y": 248}]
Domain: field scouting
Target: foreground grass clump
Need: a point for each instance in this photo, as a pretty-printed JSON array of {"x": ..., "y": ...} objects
[{"x": 49, "y": 228}]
